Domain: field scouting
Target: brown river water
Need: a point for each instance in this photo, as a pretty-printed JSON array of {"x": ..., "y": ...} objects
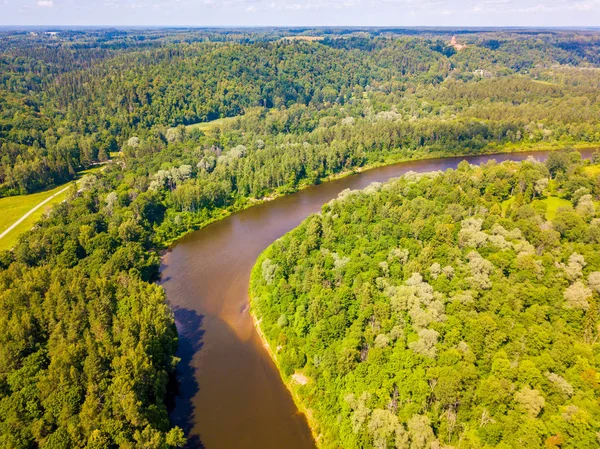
[{"x": 230, "y": 393}]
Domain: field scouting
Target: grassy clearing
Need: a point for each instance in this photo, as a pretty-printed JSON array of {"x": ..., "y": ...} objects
[
  {"x": 13, "y": 208},
  {"x": 518, "y": 147},
  {"x": 210, "y": 126},
  {"x": 593, "y": 170},
  {"x": 302, "y": 38},
  {"x": 545, "y": 83},
  {"x": 553, "y": 203},
  {"x": 11, "y": 239},
  {"x": 553, "y": 188}
]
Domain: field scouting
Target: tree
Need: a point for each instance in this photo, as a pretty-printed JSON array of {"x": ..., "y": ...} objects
[
  {"x": 577, "y": 296},
  {"x": 383, "y": 426},
  {"x": 558, "y": 162},
  {"x": 419, "y": 429},
  {"x": 530, "y": 401}
]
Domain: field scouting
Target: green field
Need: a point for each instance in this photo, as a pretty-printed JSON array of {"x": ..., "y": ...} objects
[
  {"x": 593, "y": 170},
  {"x": 553, "y": 203},
  {"x": 12, "y": 208},
  {"x": 209, "y": 126},
  {"x": 506, "y": 205}
]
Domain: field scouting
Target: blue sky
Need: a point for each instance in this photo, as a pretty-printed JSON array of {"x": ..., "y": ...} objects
[{"x": 302, "y": 12}]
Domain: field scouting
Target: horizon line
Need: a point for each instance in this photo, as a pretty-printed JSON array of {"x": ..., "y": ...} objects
[{"x": 287, "y": 27}]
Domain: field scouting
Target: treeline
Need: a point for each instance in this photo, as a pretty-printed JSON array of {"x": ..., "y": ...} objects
[
  {"x": 455, "y": 309},
  {"x": 279, "y": 150},
  {"x": 71, "y": 99},
  {"x": 79, "y": 309},
  {"x": 88, "y": 341}
]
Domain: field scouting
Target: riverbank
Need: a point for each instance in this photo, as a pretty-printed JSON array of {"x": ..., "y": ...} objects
[
  {"x": 231, "y": 382},
  {"x": 289, "y": 385},
  {"x": 167, "y": 245}
]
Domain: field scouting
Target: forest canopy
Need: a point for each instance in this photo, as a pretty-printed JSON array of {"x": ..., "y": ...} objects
[
  {"x": 192, "y": 125},
  {"x": 444, "y": 309},
  {"x": 72, "y": 99}
]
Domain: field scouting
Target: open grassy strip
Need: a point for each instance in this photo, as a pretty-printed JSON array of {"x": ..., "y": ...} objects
[
  {"x": 10, "y": 240},
  {"x": 553, "y": 203},
  {"x": 210, "y": 126},
  {"x": 12, "y": 208},
  {"x": 506, "y": 205},
  {"x": 593, "y": 170}
]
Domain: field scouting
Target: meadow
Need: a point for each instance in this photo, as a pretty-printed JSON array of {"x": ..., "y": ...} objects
[{"x": 14, "y": 207}]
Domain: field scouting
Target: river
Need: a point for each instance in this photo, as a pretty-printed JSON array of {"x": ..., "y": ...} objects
[{"x": 230, "y": 394}]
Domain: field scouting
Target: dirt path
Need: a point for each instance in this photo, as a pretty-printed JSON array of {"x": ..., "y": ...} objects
[{"x": 31, "y": 211}]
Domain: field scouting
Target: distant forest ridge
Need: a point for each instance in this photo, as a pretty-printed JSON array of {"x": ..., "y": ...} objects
[{"x": 72, "y": 97}]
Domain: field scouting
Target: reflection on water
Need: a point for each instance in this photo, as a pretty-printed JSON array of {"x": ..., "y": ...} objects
[{"x": 230, "y": 393}]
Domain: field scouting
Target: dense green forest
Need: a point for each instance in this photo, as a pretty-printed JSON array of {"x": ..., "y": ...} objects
[
  {"x": 69, "y": 100},
  {"x": 445, "y": 309},
  {"x": 87, "y": 339}
]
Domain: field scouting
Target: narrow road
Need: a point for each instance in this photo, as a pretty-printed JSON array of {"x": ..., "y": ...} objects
[
  {"x": 24, "y": 217},
  {"x": 31, "y": 211}
]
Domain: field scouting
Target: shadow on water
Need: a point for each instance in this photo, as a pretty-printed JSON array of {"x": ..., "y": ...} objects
[
  {"x": 185, "y": 386},
  {"x": 236, "y": 400}
]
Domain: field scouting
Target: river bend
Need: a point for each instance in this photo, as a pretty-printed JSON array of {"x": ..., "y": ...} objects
[{"x": 230, "y": 393}]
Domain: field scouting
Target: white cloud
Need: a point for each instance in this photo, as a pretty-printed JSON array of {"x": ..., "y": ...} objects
[
  {"x": 586, "y": 6},
  {"x": 45, "y": 3}
]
